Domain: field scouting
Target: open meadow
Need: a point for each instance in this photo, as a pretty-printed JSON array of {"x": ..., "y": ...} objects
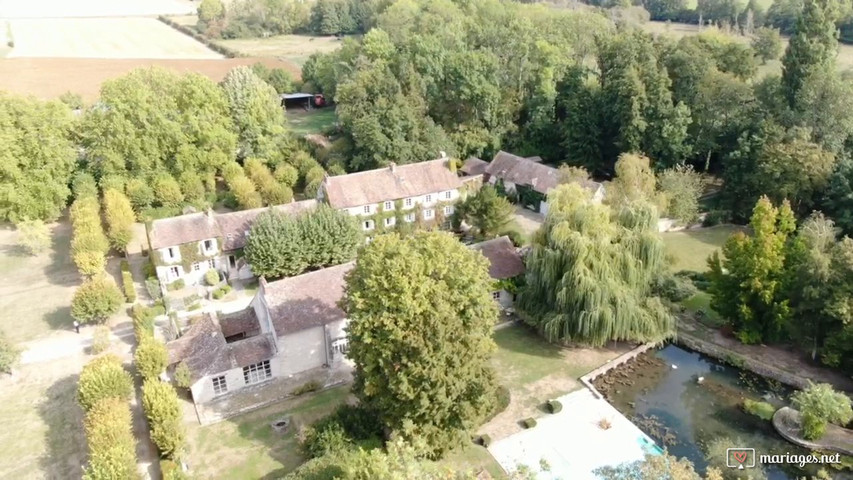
[
  {"x": 773, "y": 67},
  {"x": 294, "y": 48},
  {"x": 103, "y": 38}
]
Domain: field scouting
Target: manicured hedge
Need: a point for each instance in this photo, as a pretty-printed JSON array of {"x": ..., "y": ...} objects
[
  {"x": 103, "y": 377},
  {"x": 554, "y": 406},
  {"x": 163, "y": 409},
  {"x": 129, "y": 289},
  {"x": 529, "y": 422},
  {"x": 109, "y": 434}
]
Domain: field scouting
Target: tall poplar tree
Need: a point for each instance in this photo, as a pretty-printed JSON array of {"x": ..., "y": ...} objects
[{"x": 813, "y": 46}]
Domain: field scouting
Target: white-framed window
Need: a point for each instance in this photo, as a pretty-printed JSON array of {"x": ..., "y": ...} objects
[
  {"x": 496, "y": 295},
  {"x": 390, "y": 221},
  {"x": 197, "y": 266},
  {"x": 428, "y": 212},
  {"x": 208, "y": 245},
  {"x": 410, "y": 217},
  {"x": 448, "y": 194},
  {"x": 211, "y": 263},
  {"x": 448, "y": 210},
  {"x": 175, "y": 272},
  {"x": 368, "y": 225},
  {"x": 220, "y": 386},
  {"x": 389, "y": 205},
  {"x": 257, "y": 372},
  {"x": 428, "y": 199},
  {"x": 408, "y": 202},
  {"x": 367, "y": 209}
]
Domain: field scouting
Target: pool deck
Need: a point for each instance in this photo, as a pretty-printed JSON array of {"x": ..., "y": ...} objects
[{"x": 571, "y": 445}]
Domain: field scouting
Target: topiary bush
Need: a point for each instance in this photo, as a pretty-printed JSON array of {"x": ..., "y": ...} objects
[
  {"x": 529, "y": 422},
  {"x": 221, "y": 292},
  {"x": 554, "y": 406},
  {"x": 211, "y": 277},
  {"x": 150, "y": 357},
  {"x": 129, "y": 288},
  {"x": 163, "y": 409},
  {"x": 103, "y": 377}
]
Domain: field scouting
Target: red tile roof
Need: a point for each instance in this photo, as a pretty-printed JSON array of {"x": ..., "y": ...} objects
[{"x": 307, "y": 300}]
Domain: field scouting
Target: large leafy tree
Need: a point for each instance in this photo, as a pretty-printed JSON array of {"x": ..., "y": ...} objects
[
  {"x": 838, "y": 196},
  {"x": 589, "y": 275},
  {"x": 486, "y": 211},
  {"x": 421, "y": 317},
  {"x": 283, "y": 245},
  {"x": 813, "y": 46},
  {"x": 119, "y": 215},
  {"x": 96, "y": 300},
  {"x": 747, "y": 281},
  {"x": 256, "y": 113},
  {"x": 36, "y": 158}
]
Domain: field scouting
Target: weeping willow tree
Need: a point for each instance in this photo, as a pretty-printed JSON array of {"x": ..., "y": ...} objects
[{"x": 590, "y": 272}]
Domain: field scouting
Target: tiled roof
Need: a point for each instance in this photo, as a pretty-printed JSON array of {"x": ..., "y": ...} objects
[
  {"x": 232, "y": 226},
  {"x": 474, "y": 166},
  {"x": 504, "y": 259},
  {"x": 390, "y": 183},
  {"x": 521, "y": 171},
  {"x": 242, "y": 321},
  {"x": 307, "y": 300},
  {"x": 528, "y": 171},
  {"x": 204, "y": 350}
]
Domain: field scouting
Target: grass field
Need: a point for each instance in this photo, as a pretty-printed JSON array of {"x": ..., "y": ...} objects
[
  {"x": 93, "y": 8},
  {"x": 774, "y": 67},
  {"x": 303, "y": 122},
  {"x": 103, "y": 38},
  {"x": 293, "y": 48},
  {"x": 690, "y": 249},
  {"x": 36, "y": 291},
  {"x": 51, "y": 77}
]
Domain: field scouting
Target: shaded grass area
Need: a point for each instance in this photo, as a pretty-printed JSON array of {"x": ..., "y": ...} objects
[
  {"x": 690, "y": 249},
  {"x": 523, "y": 357},
  {"x": 302, "y": 122},
  {"x": 246, "y": 446},
  {"x": 36, "y": 291},
  {"x": 700, "y": 306},
  {"x": 42, "y": 430},
  {"x": 295, "y": 48}
]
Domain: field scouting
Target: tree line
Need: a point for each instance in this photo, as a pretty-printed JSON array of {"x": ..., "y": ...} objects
[{"x": 574, "y": 87}]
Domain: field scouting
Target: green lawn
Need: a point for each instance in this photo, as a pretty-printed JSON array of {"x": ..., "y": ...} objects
[
  {"x": 312, "y": 121},
  {"x": 702, "y": 302},
  {"x": 690, "y": 249},
  {"x": 294, "y": 48}
]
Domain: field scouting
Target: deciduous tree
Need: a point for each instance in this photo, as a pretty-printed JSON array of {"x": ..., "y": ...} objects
[
  {"x": 767, "y": 44},
  {"x": 421, "y": 316},
  {"x": 589, "y": 275},
  {"x": 109, "y": 434},
  {"x": 150, "y": 358},
  {"x": 103, "y": 378},
  {"x": 486, "y": 211},
  {"x": 256, "y": 113},
  {"x": 681, "y": 187},
  {"x": 119, "y": 215},
  {"x": 96, "y": 300},
  {"x": 33, "y": 236}
]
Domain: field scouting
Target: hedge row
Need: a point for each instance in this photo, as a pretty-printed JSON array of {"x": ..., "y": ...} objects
[
  {"x": 201, "y": 38},
  {"x": 104, "y": 390},
  {"x": 127, "y": 282},
  {"x": 89, "y": 244},
  {"x": 163, "y": 409}
]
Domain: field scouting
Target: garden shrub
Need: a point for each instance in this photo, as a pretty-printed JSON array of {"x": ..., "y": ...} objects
[
  {"x": 348, "y": 425},
  {"x": 502, "y": 398},
  {"x": 112, "y": 447},
  {"x": 529, "y": 422},
  {"x": 308, "y": 387},
  {"x": 9, "y": 355},
  {"x": 762, "y": 410},
  {"x": 103, "y": 377},
  {"x": 194, "y": 306},
  {"x": 819, "y": 405},
  {"x": 716, "y": 217},
  {"x": 172, "y": 470},
  {"x": 149, "y": 269},
  {"x": 183, "y": 376},
  {"x": 176, "y": 285},
  {"x": 674, "y": 288},
  {"x": 211, "y": 277},
  {"x": 221, "y": 292},
  {"x": 150, "y": 357},
  {"x": 143, "y": 321},
  {"x": 323, "y": 438},
  {"x": 129, "y": 288},
  {"x": 554, "y": 406},
  {"x": 100, "y": 339}
]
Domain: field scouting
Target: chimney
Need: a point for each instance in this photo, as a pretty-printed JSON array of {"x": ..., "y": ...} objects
[
  {"x": 209, "y": 214},
  {"x": 442, "y": 154},
  {"x": 392, "y": 166}
]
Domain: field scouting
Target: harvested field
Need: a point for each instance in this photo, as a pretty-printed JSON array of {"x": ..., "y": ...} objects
[
  {"x": 103, "y": 38},
  {"x": 51, "y": 77},
  {"x": 295, "y": 48},
  {"x": 93, "y": 8}
]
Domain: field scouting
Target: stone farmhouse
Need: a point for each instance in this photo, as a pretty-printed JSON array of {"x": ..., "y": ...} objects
[
  {"x": 293, "y": 326},
  {"x": 187, "y": 246},
  {"x": 519, "y": 174},
  {"x": 419, "y": 192}
]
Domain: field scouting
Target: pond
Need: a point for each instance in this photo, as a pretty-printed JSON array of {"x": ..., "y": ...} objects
[{"x": 662, "y": 393}]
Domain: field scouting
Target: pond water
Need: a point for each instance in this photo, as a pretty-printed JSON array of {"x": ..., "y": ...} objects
[{"x": 691, "y": 417}]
